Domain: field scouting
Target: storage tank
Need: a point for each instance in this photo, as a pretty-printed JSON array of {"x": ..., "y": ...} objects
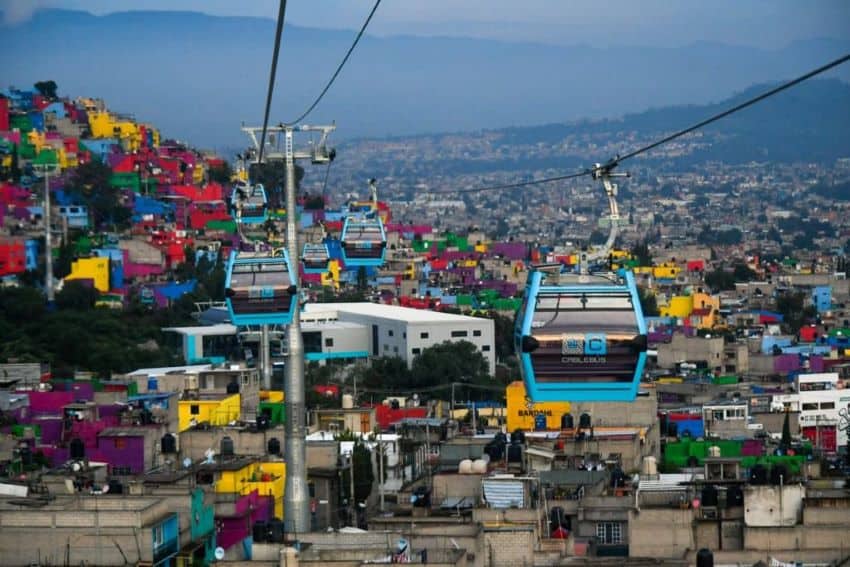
[
  {"x": 465, "y": 466},
  {"x": 714, "y": 451},
  {"x": 708, "y": 495},
  {"x": 274, "y": 446},
  {"x": 479, "y": 466},
  {"x": 347, "y": 401},
  {"x": 584, "y": 421},
  {"x": 168, "y": 444},
  {"x": 705, "y": 558},
  {"x": 260, "y": 530},
  {"x": 734, "y": 497},
  {"x": 233, "y": 387},
  {"x": 517, "y": 437},
  {"x": 153, "y": 384},
  {"x": 226, "y": 447},
  {"x": 567, "y": 421},
  {"x": 275, "y": 532},
  {"x": 758, "y": 474},
  {"x": 77, "y": 449},
  {"x": 650, "y": 466},
  {"x": 515, "y": 453}
]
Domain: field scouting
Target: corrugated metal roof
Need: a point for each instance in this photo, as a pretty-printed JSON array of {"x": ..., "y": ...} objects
[
  {"x": 504, "y": 493},
  {"x": 667, "y": 482}
]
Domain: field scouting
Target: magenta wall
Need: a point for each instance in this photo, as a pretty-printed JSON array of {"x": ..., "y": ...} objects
[
  {"x": 50, "y": 403},
  {"x": 132, "y": 454}
]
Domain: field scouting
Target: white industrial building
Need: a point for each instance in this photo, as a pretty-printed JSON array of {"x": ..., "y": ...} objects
[
  {"x": 353, "y": 331},
  {"x": 405, "y": 332}
]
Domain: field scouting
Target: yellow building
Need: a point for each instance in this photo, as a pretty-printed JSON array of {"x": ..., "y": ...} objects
[
  {"x": 331, "y": 277},
  {"x": 219, "y": 411},
  {"x": 679, "y": 306},
  {"x": 521, "y": 413},
  {"x": 95, "y": 269},
  {"x": 700, "y": 309},
  {"x": 267, "y": 478}
]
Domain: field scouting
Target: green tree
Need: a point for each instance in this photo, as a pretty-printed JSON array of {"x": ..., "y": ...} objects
[
  {"x": 272, "y": 174},
  {"x": 597, "y": 237},
  {"x": 221, "y": 173},
  {"x": 76, "y": 295},
  {"x": 719, "y": 280},
  {"x": 91, "y": 184},
  {"x": 648, "y": 302},
  {"x": 641, "y": 253},
  {"x": 47, "y": 89},
  {"x": 795, "y": 309},
  {"x": 449, "y": 362},
  {"x": 786, "y": 433},
  {"x": 364, "y": 473}
]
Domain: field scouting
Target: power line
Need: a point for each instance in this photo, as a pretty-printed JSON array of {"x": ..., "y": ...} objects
[
  {"x": 616, "y": 161},
  {"x": 281, "y": 15},
  {"x": 339, "y": 68},
  {"x": 438, "y": 388},
  {"x": 733, "y": 110}
]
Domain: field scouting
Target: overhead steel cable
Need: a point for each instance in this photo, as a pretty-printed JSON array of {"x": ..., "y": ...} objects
[
  {"x": 616, "y": 160},
  {"x": 733, "y": 110},
  {"x": 339, "y": 67},
  {"x": 281, "y": 15}
]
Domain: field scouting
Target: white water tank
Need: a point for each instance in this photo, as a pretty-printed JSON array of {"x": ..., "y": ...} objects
[
  {"x": 479, "y": 466},
  {"x": 465, "y": 466},
  {"x": 347, "y": 401},
  {"x": 650, "y": 466},
  {"x": 714, "y": 451}
]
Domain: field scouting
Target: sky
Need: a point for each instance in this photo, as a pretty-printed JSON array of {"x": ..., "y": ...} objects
[{"x": 767, "y": 24}]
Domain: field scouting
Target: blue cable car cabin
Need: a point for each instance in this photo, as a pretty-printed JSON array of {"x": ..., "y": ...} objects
[
  {"x": 316, "y": 258},
  {"x": 582, "y": 339},
  {"x": 364, "y": 242},
  {"x": 250, "y": 203},
  {"x": 260, "y": 288}
]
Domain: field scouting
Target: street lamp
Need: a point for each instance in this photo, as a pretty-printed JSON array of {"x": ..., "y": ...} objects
[{"x": 46, "y": 169}]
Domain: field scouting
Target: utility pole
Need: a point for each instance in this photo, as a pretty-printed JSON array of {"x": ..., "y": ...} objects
[
  {"x": 381, "y": 469},
  {"x": 48, "y": 244},
  {"x": 297, "y": 495}
]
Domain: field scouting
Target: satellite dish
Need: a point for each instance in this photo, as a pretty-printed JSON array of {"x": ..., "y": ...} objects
[
  {"x": 76, "y": 466},
  {"x": 104, "y": 489},
  {"x": 219, "y": 553},
  {"x": 187, "y": 462}
]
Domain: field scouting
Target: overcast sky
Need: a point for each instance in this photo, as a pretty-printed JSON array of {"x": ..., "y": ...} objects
[{"x": 668, "y": 23}]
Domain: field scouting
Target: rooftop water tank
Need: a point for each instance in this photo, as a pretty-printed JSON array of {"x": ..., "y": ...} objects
[
  {"x": 650, "y": 466},
  {"x": 226, "y": 447},
  {"x": 347, "y": 401},
  {"x": 465, "y": 466},
  {"x": 479, "y": 466}
]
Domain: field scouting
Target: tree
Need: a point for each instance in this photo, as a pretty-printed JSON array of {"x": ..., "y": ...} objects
[
  {"x": 795, "y": 310},
  {"x": 719, "y": 280},
  {"x": 597, "y": 237},
  {"x": 272, "y": 174},
  {"x": 641, "y": 253},
  {"x": 449, "y": 362},
  {"x": 786, "y": 433},
  {"x": 221, "y": 173},
  {"x": 47, "y": 89},
  {"x": 76, "y": 295},
  {"x": 91, "y": 184},
  {"x": 648, "y": 302}
]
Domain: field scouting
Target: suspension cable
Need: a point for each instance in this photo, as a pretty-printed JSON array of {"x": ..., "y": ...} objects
[{"x": 281, "y": 15}]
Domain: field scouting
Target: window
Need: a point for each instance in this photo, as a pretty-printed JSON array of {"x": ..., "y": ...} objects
[
  {"x": 390, "y": 332},
  {"x": 476, "y": 333},
  {"x": 195, "y": 409},
  {"x": 485, "y": 348},
  {"x": 827, "y": 405},
  {"x": 246, "y": 379},
  {"x": 810, "y": 407},
  {"x": 423, "y": 335},
  {"x": 458, "y": 334},
  {"x": 609, "y": 532},
  {"x": 329, "y": 342},
  {"x": 158, "y": 536},
  {"x": 416, "y": 351},
  {"x": 386, "y": 347},
  {"x": 395, "y": 349}
]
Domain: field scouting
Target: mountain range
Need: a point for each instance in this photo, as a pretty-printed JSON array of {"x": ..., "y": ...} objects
[{"x": 198, "y": 77}]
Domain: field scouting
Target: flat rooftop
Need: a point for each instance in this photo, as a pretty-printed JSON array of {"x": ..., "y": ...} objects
[{"x": 393, "y": 312}]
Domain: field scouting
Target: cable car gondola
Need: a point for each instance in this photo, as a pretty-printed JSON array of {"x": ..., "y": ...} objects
[
  {"x": 364, "y": 242},
  {"x": 582, "y": 338},
  {"x": 249, "y": 203},
  {"x": 315, "y": 257},
  {"x": 259, "y": 288}
]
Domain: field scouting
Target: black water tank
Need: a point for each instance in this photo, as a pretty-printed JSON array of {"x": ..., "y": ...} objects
[
  {"x": 758, "y": 474},
  {"x": 672, "y": 429},
  {"x": 705, "y": 558},
  {"x": 233, "y": 387},
  {"x": 115, "y": 487},
  {"x": 423, "y": 497},
  {"x": 515, "y": 453},
  {"x": 567, "y": 421},
  {"x": 226, "y": 447},
  {"x": 263, "y": 422},
  {"x": 618, "y": 478},
  {"x": 168, "y": 444},
  {"x": 558, "y": 518},
  {"x": 260, "y": 531},
  {"x": 394, "y": 404},
  {"x": 495, "y": 450},
  {"x": 778, "y": 474},
  {"x": 584, "y": 421},
  {"x": 501, "y": 438},
  {"x": 734, "y": 496},
  {"x": 708, "y": 496},
  {"x": 517, "y": 437},
  {"x": 78, "y": 449},
  {"x": 274, "y": 446},
  {"x": 25, "y": 454},
  {"x": 275, "y": 531}
]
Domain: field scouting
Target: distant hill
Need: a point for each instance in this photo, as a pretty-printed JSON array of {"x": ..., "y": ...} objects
[
  {"x": 200, "y": 76},
  {"x": 809, "y": 122}
]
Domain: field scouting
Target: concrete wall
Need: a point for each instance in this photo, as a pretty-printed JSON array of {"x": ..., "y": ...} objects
[
  {"x": 692, "y": 349},
  {"x": 660, "y": 532},
  {"x": 194, "y": 442},
  {"x": 455, "y": 485},
  {"x": 509, "y": 547},
  {"x": 769, "y": 506}
]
